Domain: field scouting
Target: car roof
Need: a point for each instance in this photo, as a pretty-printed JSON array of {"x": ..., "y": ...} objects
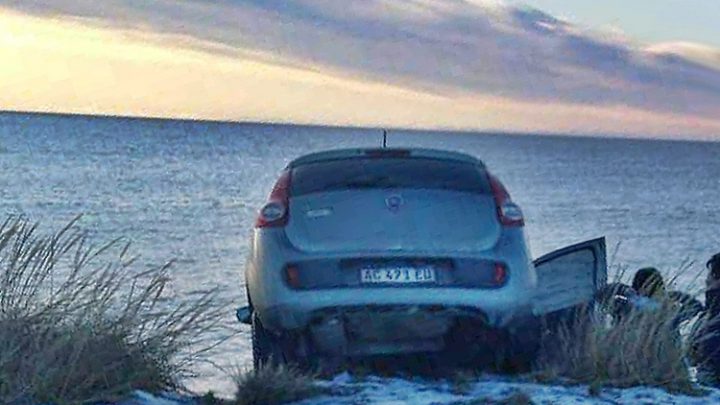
[{"x": 340, "y": 154}]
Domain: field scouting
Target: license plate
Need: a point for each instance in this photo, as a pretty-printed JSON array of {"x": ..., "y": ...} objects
[{"x": 398, "y": 275}]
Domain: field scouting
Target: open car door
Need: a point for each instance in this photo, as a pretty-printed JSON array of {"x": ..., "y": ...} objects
[{"x": 570, "y": 277}]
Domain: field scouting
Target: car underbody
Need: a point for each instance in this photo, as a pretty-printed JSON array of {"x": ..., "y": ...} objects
[
  {"x": 379, "y": 330},
  {"x": 454, "y": 336}
]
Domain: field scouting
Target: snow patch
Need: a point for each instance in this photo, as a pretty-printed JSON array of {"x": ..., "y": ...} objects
[
  {"x": 348, "y": 390},
  {"x": 375, "y": 390}
]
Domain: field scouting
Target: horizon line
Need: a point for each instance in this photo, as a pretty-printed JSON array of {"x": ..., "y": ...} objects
[{"x": 439, "y": 130}]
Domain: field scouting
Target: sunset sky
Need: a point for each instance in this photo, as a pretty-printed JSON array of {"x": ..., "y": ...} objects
[{"x": 640, "y": 67}]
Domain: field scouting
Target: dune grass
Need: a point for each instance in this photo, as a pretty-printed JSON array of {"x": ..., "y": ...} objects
[
  {"x": 81, "y": 323},
  {"x": 643, "y": 349},
  {"x": 274, "y": 385}
]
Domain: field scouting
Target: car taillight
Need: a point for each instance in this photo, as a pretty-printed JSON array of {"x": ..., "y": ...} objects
[
  {"x": 275, "y": 212},
  {"x": 508, "y": 212}
]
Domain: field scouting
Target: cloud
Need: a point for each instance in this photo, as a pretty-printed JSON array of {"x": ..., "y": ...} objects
[
  {"x": 699, "y": 53},
  {"x": 450, "y": 50}
]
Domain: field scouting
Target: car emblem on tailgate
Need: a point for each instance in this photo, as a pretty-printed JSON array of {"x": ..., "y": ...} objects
[
  {"x": 319, "y": 212},
  {"x": 394, "y": 202}
]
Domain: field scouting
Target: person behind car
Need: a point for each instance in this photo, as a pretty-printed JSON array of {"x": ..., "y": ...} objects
[
  {"x": 712, "y": 285},
  {"x": 707, "y": 337},
  {"x": 620, "y": 299},
  {"x": 648, "y": 292},
  {"x": 649, "y": 283}
]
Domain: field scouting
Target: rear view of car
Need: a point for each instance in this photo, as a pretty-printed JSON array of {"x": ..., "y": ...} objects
[{"x": 385, "y": 251}]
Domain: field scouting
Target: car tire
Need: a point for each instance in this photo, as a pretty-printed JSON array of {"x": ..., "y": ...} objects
[
  {"x": 468, "y": 346},
  {"x": 520, "y": 346},
  {"x": 520, "y": 352},
  {"x": 266, "y": 348}
]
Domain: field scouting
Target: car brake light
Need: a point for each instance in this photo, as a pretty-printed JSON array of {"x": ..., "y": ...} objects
[
  {"x": 275, "y": 212},
  {"x": 387, "y": 153},
  {"x": 508, "y": 212}
]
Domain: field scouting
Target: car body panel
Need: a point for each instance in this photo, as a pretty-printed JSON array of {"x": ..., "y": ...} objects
[
  {"x": 349, "y": 220},
  {"x": 282, "y": 307},
  {"x": 362, "y": 152}
]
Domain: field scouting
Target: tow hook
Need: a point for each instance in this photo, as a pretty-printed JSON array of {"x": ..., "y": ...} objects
[{"x": 244, "y": 315}]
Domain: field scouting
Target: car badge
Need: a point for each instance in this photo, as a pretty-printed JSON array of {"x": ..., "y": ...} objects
[
  {"x": 318, "y": 213},
  {"x": 394, "y": 202}
]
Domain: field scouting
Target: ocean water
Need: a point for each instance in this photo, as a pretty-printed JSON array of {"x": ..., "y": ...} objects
[{"x": 189, "y": 191}]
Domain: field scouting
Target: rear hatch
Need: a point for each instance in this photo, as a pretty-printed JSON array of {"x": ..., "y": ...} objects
[{"x": 364, "y": 204}]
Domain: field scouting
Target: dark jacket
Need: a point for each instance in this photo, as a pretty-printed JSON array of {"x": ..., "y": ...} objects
[
  {"x": 708, "y": 338},
  {"x": 620, "y": 300}
]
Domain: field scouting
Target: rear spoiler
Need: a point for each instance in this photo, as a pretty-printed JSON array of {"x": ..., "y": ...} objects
[{"x": 386, "y": 152}]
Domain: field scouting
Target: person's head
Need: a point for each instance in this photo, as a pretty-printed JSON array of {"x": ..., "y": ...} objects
[
  {"x": 714, "y": 266},
  {"x": 648, "y": 282}
]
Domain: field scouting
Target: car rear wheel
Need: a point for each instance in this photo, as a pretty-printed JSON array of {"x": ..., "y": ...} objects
[
  {"x": 267, "y": 349},
  {"x": 520, "y": 352}
]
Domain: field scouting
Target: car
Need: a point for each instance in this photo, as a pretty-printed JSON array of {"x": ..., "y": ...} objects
[{"x": 366, "y": 252}]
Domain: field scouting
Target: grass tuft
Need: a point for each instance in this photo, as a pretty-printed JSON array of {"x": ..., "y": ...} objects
[
  {"x": 80, "y": 323},
  {"x": 274, "y": 385},
  {"x": 643, "y": 349},
  {"x": 515, "y": 398},
  {"x": 518, "y": 398}
]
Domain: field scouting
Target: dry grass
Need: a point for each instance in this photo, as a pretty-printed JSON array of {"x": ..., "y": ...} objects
[
  {"x": 518, "y": 398},
  {"x": 515, "y": 398},
  {"x": 643, "y": 349},
  {"x": 79, "y": 323},
  {"x": 274, "y": 385}
]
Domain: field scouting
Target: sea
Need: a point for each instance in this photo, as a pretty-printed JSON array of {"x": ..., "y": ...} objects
[{"x": 189, "y": 191}]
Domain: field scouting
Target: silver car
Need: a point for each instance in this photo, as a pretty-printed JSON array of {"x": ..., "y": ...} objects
[{"x": 364, "y": 252}]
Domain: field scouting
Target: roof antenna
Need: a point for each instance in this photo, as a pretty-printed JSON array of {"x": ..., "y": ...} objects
[{"x": 384, "y": 138}]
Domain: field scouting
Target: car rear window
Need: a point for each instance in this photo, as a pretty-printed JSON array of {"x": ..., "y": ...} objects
[{"x": 388, "y": 173}]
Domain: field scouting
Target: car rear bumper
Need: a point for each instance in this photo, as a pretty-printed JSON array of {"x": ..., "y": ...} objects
[
  {"x": 376, "y": 330},
  {"x": 300, "y": 308},
  {"x": 371, "y": 330},
  {"x": 282, "y": 308}
]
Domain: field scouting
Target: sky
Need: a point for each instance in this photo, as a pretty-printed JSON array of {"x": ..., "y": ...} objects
[
  {"x": 640, "y": 68},
  {"x": 651, "y": 21}
]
